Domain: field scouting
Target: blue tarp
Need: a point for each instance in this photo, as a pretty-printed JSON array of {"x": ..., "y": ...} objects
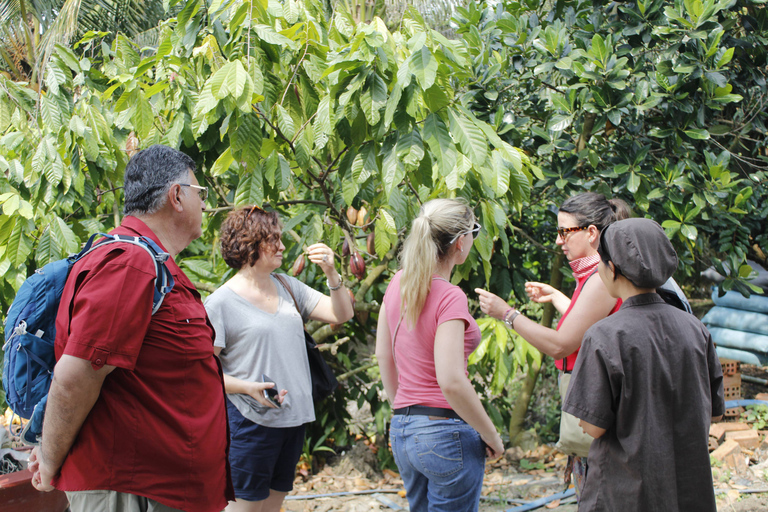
[
  {"x": 736, "y": 319},
  {"x": 735, "y": 300},
  {"x": 739, "y": 339},
  {"x": 745, "y": 356}
]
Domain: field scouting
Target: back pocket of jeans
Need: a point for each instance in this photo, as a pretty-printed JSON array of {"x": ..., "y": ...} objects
[{"x": 440, "y": 453}]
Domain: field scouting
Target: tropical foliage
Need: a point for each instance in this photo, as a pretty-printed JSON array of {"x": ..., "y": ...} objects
[
  {"x": 316, "y": 116},
  {"x": 345, "y": 126}
]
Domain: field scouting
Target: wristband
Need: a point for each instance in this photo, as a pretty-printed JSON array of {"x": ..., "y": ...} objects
[
  {"x": 334, "y": 288},
  {"x": 504, "y": 316},
  {"x": 511, "y": 320}
]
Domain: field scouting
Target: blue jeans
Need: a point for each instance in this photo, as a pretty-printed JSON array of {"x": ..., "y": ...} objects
[{"x": 441, "y": 461}]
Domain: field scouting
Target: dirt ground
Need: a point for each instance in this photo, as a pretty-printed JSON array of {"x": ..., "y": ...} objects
[{"x": 352, "y": 484}]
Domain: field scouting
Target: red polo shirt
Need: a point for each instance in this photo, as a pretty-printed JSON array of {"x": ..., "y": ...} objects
[{"x": 159, "y": 426}]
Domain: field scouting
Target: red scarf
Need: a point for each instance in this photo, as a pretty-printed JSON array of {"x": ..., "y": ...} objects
[{"x": 582, "y": 267}]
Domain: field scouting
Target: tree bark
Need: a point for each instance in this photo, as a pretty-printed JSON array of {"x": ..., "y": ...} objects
[{"x": 529, "y": 384}]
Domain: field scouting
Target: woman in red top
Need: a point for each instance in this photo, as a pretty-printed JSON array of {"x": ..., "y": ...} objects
[{"x": 579, "y": 222}]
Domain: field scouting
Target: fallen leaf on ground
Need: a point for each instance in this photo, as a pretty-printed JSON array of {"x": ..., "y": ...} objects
[{"x": 552, "y": 504}]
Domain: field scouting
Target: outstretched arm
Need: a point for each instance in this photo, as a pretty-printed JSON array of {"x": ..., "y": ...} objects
[{"x": 593, "y": 304}]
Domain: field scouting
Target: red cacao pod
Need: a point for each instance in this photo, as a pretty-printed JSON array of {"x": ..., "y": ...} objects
[
  {"x": 362, "y": 317},
  {"x": 370, "y": 243},
  {"x": 357, "y": 265},
  {"x": 298, "y": 265},
  {"x": 351, "y": 297},
  {"x": 345, "y": 248}
]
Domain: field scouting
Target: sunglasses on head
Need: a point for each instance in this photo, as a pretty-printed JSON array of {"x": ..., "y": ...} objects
[
  {"x": 254, "y": 208},
  {"x": 475, "y": 230}
]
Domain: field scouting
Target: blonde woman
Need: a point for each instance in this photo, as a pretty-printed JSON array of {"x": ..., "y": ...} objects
[{"x": 440, "y": 432}]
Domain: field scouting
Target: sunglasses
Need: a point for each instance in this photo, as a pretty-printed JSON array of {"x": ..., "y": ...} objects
[
  {"x": 475, "y": 230},
  {"x": 202, "y": 191},
  {"x": 561, "y": 232},
  {"x": 253, "y": 209}
]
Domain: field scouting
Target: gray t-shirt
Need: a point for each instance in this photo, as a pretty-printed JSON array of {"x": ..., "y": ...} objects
[{"x": 255, "y": 342}]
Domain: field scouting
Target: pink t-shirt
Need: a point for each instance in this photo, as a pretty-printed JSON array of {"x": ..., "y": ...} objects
[{"x": 415, "y": 349}]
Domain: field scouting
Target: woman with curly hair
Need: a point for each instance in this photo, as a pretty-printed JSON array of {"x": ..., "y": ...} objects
[{"x": 260, "y": 333}]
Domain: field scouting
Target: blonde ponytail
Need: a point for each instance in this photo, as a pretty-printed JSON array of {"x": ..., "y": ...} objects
[{"x": 432, "y": 234}]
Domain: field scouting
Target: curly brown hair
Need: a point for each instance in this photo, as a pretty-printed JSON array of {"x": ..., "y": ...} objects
[{"x": 245, "y": 231}]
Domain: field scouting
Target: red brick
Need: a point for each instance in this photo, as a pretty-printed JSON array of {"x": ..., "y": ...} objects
[{"x": 748, "y": 439}]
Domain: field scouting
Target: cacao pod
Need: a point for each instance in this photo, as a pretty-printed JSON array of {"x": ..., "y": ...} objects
[
  {"x": 370, "y": 243},
  {"x": 361, "y": 216},
  {"x": 357, "y": 265},
  {"x": 351, "y": 297},
  {"x": 351, "y": 215},
  {"x": 362, "y": 317},
  {"x": 298, "y": 265},
  {"x": 345, "y": 248}
]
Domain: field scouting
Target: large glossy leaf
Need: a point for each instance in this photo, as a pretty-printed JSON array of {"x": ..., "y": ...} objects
[
  {"x": 469, "y": 136},
  {"x": 424, "y": 66},
  {"x": 438, "y": 138}
]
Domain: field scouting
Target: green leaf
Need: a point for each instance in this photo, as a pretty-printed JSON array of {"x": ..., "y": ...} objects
[
  {"x": 435, "y": 98},
  {"x": 250, "y": 190},
  {"x": 599, "y": 50},
  {"x": 469, "y": 136},
  {"x": 268, "y": 34},
  {"x": 47, "y": 250},
  {"x": 18, "y": 247},
  {"x": 499, "y": 181},
  {"x": 633, "y": 183},
  {"x": 689, "y": 232},
  {"x": 698, "y": 134},
  {"x": 10, "y": 202},
  {"x": 726, "y": 58},
  {"x": 424, "y": 66},
  {"x": 285, "y": 122},
  {"x": 745, "y": 271},
  {"x": 438, "y": 138},
  {"x": 64, "y": 236},
  {"x": 393, "y": 170},
  {"x": 373, "y": 98},
  {"x": 221, "y": 165},
  {"x": 143, "y": 117},
  {"x": 382, "y": 240}
]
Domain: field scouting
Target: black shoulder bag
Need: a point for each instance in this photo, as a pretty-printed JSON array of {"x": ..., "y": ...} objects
[{"x": 324, "y": 382}]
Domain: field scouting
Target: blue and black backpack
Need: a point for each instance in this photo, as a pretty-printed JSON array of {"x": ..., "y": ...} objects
[{"x": 30, "y": 329}]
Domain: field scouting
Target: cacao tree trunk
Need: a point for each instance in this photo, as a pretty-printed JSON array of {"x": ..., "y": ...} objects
[{"x": 524, "y": 398}]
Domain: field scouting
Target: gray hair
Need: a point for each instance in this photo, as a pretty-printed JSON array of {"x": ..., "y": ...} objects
[{"x": 149, "y": 175}]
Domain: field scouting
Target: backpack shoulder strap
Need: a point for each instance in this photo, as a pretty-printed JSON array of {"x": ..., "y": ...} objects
[{"x": 164, "y": 281}]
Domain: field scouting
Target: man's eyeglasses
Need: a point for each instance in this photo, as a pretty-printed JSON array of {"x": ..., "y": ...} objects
[
  {"x": 202, "y": 191},
  {"x": 475, "y": 230},
  {"x": 561, "y": 232}
]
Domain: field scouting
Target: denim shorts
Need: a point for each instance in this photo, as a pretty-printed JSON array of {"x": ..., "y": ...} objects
[
  {"x": 441, "y": 462},
  {"x": 262, "y": 458}
]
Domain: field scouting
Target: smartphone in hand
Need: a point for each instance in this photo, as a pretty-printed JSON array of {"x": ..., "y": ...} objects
[{"x": 270, "y": 394}]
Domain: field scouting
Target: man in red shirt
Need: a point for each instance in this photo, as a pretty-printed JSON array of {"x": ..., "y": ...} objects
[{"x": 136, "y": 418}]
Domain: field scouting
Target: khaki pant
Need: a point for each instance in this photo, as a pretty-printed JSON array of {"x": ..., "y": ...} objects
[{"x": 113, "y": 501}]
